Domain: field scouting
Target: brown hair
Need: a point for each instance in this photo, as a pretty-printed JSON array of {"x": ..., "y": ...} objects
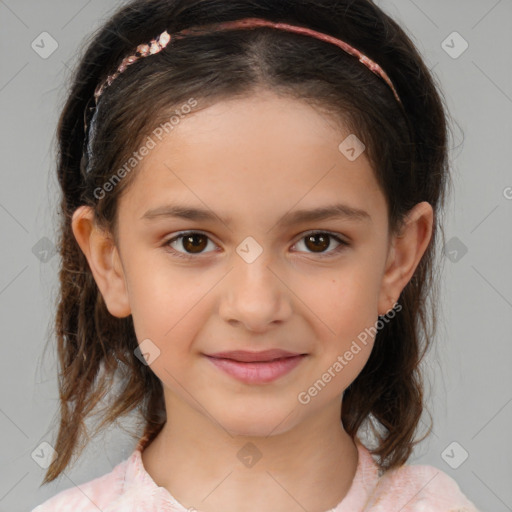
[{"x": 407, "y": 147}]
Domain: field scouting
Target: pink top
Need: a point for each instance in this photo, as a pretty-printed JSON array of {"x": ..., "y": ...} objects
[{"x": 410, "y": 488}]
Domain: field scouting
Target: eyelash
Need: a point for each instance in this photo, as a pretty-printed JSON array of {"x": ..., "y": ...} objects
[{"x": 183, "y": 234}]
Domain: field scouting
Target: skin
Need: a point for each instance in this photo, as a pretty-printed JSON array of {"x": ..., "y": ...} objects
[{"x": 254, "y": 160}]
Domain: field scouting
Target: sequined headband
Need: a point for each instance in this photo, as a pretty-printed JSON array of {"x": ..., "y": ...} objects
[{"x": 161, "y": 41}]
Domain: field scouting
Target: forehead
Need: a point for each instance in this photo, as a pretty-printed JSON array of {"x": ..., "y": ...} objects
[{"x": 258, "y": 156}]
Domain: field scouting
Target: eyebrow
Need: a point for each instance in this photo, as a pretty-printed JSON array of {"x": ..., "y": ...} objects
[{"x": 339, "y": 211}]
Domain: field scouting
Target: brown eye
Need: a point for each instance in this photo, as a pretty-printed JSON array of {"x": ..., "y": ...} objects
[
  {"x": 318, "y": 242},
  {"x": 188, "y": 244},
  {"x": 194, "y": 243},
  {"x": 191, "y": 243}
]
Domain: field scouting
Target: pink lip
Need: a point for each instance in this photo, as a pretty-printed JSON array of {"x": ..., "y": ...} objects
[
  {"x": 256, "y": 367},
  {"x": 246, "y": 356}
]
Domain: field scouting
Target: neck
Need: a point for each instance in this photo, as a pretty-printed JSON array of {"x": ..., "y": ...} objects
[{"x": 309, "y": 467}]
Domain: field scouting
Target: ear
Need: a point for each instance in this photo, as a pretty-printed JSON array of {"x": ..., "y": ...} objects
[
  {"x": 407, "y": 249},
  {"x": 99, "y": 248}
]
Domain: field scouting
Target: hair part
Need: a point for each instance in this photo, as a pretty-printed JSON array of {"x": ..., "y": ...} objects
[{"x": 407, "y": 146}]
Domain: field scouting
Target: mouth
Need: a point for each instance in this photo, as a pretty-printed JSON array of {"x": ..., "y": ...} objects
[
  {"x": 264, "y": 356},
  {"x": 256, "y": 367}
]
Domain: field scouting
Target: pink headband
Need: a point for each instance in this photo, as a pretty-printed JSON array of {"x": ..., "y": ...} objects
[{"x": 161, "y": 41}]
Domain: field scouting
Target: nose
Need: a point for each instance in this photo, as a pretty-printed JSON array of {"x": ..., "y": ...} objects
[{"x": 255, "y": 295}]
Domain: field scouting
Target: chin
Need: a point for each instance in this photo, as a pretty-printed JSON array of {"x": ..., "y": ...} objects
[{"x": 258, "y": 422}]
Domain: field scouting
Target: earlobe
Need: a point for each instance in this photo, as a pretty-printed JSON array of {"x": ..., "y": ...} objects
[
  {"x": 406, "y": 251},
  {"x": 104, "y": 262}
]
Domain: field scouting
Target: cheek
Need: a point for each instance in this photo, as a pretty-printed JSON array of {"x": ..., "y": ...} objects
[
  {"x": 344, "y": 300},
  {"x": 167, "y": 302},
  {"x": 342, "y": 310}
]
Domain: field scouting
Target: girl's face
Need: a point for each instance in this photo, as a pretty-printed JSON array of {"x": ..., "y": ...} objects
[{"x": 252, "y": 277}]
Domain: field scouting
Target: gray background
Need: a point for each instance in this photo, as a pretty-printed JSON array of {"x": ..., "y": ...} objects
[{"x": 470, "y": 369}]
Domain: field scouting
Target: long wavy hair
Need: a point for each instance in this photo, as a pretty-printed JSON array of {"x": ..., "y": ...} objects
[{"x": 407, "y": 146}]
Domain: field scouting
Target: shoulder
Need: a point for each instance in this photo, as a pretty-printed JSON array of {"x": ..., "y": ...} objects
[
  {"x": 90, "y": 496},
  {"x": 419, "y": 488}
]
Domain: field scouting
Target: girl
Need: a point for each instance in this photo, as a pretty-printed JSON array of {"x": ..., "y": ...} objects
[{"x": 249, "y": 217}]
